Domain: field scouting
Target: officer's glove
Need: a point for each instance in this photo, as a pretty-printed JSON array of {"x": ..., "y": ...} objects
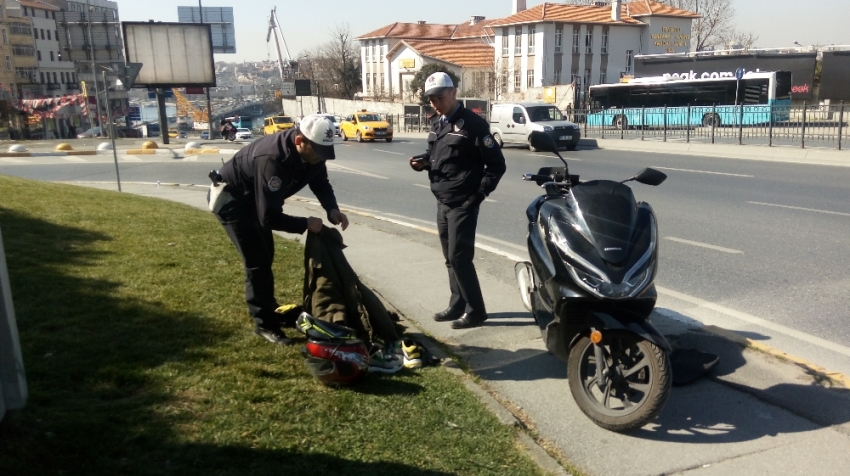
[{"x": 474, "y": 200}]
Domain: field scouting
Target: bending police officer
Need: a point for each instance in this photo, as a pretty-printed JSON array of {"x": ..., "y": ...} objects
[
  {"x": 260, "y": 177},
  {"x": 464, "y": 166}
]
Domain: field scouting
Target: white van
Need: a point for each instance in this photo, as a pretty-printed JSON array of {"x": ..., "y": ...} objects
[{"x": 512, "y": 124}]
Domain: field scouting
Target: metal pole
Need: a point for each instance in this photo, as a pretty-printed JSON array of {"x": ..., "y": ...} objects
[
  {"x": 207, "y": 90},
  {"x": 770, "y": 128},
  {"x": 713, "y": 120},
  {"x": 803, "y": 131},
  {"x": 623, "y": 123},
  {"x": 112, "y": 132},
  {"x": 688, "y": 126},
  {"x": 741, "y": 125},
  {"x": 586, "y": 116},
  {"x": 603, "y": 123},
  {"x": 93, "y": 72},
  {"x": 642, "y": 121},
  {"x": 163, "y": 118},
  {"x": 840, "y": 123},
  {"x": 665, "y": 123}
]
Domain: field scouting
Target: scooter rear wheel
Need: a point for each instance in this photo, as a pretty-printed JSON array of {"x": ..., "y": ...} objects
[{"x": 639, "y": 376}]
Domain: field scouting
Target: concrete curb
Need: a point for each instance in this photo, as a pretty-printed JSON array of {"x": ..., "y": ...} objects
[
  {"x": 66, "y": 153},
  {"x": 210, "y": 151}
]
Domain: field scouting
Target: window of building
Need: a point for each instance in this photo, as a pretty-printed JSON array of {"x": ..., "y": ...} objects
[
  {"x": 531, "y": 32},
  {"x": 46, "y": 14},
  {"x": 34, "y": 33},
  {"x": 629, "y": 56},
  {"x": 20, "y": 28},
  {"x": 62, "y": 76},
  {"x": 557, "y": 78},
  {"x": 8, "y": 63},
  {"x": 605, "y": 40},
  {"x": 42, "y": 78},
  {"x": 42, "y": 33},
  {"x": 587, "y": 77},
  {"x": 23, "y": 50},
  {"x": 577, "y": 80},
  {"x": 602, "y": 76},
  {"x": 57, "y": 35},
  {"x": 382, "y": 82},
  {"x": 505, "y": 35},
  {"x": 517, "y": 80},
  {"x": 588, "y": 40},
  {"x": 518, "y": 40},
  {"x": 575, "y": 39},
  {"x": 5, "y": 38},
  {"x": 54, "y": 77},
  {"x": 368, "y": 82},
  {"x": 52, "y": 58},
  {"x": 24, "y": 10},
  {"x": 368, "y": 52},
  {"x": 529, "y": 80},
  {"x": 558, "y": 39},
  {"x": 381, "y": 51},
  {"x": 39, "y": 55},
  {"x": 48, "y": 35}
]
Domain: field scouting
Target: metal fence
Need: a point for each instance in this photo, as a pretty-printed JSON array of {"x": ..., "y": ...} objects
[{"x": 802, "y": 126}]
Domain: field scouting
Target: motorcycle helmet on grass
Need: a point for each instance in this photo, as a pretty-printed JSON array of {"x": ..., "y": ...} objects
[{"x": 333, "y": 355}]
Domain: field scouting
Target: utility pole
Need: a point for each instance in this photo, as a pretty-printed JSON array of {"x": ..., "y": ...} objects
[
  {"x": 93, "y": 70},
  {"x": 209, "y": 105}
]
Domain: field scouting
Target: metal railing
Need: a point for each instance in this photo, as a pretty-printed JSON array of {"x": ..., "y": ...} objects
[{"x": 800, "y": 126}]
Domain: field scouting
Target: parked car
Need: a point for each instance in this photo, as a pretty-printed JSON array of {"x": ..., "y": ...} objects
[
  {"x": 366, "y": 126},
  {"x": 276, "y": 124},
  {"x": 93, "y": 132},
  {"x": 206, "y": 135},
  {"x": 335, "y": 120},
  {"x": 513, "y": 123},
  {"x": 243, "y": 133}
]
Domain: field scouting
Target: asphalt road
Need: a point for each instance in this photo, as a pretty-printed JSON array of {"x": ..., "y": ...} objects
[{"x": 759, "y": 238}]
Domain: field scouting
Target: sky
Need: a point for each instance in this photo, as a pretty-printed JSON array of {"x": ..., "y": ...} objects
[{"x": 306, "y": 24}]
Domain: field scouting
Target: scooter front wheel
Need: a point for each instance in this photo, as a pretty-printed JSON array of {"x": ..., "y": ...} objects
[{"x": 635, "y": 384}]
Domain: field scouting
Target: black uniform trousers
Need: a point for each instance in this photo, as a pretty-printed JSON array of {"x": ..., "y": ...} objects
[
  {"x": 456, "y": 226},
  {"x": 256, "y": 246}
]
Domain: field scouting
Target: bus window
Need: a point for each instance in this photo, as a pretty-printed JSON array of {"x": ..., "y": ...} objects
[{"x": 783, "y": 85}]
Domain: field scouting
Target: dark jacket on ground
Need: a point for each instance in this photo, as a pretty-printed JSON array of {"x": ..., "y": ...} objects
[
  {"x": 270, "y": 170},
  {"x": 333, "y": 292},
  {"x": 464, "y": 157}
]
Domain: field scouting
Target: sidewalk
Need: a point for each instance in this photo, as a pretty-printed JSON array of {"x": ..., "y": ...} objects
[
  {"x": 756, "y": 414},
  {"x": 176, "y": 148}
]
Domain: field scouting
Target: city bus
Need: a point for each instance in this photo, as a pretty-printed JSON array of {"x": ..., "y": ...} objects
[{"x": 663, "y": 101}]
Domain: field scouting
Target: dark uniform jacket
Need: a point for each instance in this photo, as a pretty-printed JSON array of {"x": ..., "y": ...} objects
[
  {"x": 464, "y": 157},
  {"x": 267, "y": 172}
]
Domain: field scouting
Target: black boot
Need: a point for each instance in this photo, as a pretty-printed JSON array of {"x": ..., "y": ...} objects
[
  {"x": 469, "y": 320},
  {"x": 447, "y": 315}
]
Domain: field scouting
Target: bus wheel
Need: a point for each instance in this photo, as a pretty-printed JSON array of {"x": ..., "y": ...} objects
[
  {"x": 711, "y": 120},
  {"x": 620, "y": 123}
]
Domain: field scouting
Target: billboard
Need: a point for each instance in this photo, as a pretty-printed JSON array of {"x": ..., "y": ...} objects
[
  {"x": 801, "y": 66},
  {"x": 303, "y": 88},
  {"x": 834, "y": 76},
  {"x": 172, "y": 54},
  {"x": 287, "y": 89},
  {"x": 220, "y": 20}
]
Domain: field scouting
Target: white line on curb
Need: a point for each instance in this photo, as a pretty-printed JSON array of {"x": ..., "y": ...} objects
[
  {"x": 703, "y": 172},
  {"x": 388, "y": 152}
]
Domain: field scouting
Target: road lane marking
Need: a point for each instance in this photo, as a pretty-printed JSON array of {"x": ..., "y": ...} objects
[
  {"x": 547, "y": 156},
  {"x": 388, "y": 152},
  {"x": 71, "y": 158},
  {"x": 801, "y": 208},
  {"x": 703, "y": 172},
  {"x": 423, "y": 186},
  {"x": 703, "y": 245},
  {"x": 131, "y": 158},
  {"x": 349, "y": 170},
  {"x": 14, "y": 161}
]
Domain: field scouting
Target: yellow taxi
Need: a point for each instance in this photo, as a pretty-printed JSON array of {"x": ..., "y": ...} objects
[
  {"x": 276, "y": 124},
  {"x": 365, "y": 126}
]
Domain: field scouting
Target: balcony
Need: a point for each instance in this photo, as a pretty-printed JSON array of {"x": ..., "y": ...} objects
[
  {"x": 72, "y": 86},
  {"x": 52, "y": 86}
]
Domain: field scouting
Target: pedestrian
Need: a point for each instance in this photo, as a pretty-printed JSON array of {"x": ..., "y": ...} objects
[
  {"x": 464, "y": 166},
  {"x": 259, "y": 178}
]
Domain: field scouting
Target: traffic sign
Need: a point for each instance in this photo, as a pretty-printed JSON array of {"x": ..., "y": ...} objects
[{"x": 126, "y": 72}]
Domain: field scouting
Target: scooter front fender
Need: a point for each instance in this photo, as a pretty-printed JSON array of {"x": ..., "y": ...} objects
[{"x": 603, "y": 321}]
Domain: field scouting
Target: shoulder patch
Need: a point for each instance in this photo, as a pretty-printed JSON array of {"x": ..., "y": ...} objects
[
  {"x": 458, "y": 125},
  {"x": 488, "y": 141},
  {"x": 275, "y": 183}
]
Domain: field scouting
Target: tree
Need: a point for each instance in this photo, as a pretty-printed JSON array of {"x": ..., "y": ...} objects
[
  {"x": 417, "y": 84},
  {"x": 715, "y": 26},
  {"x": 335, "y": 65}
]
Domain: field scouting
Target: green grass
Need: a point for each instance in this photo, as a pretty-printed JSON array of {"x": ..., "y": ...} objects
[{"x": 140, "y": 359}]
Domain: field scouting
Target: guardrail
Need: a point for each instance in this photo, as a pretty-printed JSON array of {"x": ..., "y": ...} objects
[{"x": 807, "y": 125}]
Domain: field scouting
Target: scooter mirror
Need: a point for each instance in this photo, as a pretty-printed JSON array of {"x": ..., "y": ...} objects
[
  {"x": 651, "y": 177},
  {"x": 542, "y": 141}
]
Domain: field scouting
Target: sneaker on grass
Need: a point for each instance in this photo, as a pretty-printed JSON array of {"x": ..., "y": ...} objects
[
  {"x": 410, "y": 353},
  {"x": 275, "y": 336},
  {"x": 384, "y": 362}
]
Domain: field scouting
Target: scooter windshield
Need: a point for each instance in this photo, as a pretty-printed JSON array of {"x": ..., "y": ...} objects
[{"x": 607, "y": 211}]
